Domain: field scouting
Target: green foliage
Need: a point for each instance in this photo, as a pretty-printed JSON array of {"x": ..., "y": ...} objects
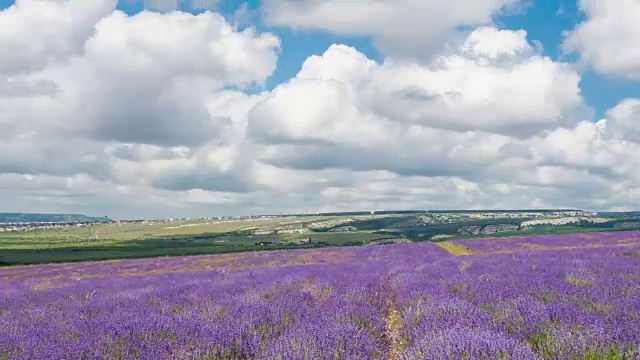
[
  {"x": 546, "y": 343},
  {"x": 193, "y": 237},
  {"x": 22, "y": 248}
]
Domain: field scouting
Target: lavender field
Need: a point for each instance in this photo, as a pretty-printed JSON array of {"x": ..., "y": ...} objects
[{"x": 547, "y": 297}]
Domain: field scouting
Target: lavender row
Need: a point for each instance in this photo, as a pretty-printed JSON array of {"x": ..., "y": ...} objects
[{"x": 621, "y": 239}]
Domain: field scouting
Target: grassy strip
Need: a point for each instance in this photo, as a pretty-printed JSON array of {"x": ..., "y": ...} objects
[
  {"x": 456, "y": 249},
  {"x": 90, "y": 250}
]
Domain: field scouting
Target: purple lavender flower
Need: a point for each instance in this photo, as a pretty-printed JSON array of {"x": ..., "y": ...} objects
[{"x": 569, "y": 296}]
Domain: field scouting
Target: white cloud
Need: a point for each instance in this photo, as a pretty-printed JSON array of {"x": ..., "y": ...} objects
[
  {"x": 84, "y": 194},
  {"x": 494, "y": 43},
  {"x": 607, "y": 39},
  {"x": 461, "y": 93},
  {"x": 452, "y": 114},
  {"x": 402, "y": 28},
  {"x": 530, "y": 143},
  {"x": 131, "y": 116},
  {"x": 34, "y": 32},
  {"x": 143, "y": 78},
  {"x": 623, "y": 121},
  {"x": 138, "y": 102},
  {"x": 149, "y": 76}
]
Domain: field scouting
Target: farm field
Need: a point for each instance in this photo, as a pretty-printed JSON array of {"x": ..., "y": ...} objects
[
  {"x": 539, "y": 297},
  {"x": 136, "y": 240},
  {"x": 133, "y": 231},
  {"x": 501, "y": 245},
  {"x": 42, "y": 252},
  {"x": 151, "y": 238}
]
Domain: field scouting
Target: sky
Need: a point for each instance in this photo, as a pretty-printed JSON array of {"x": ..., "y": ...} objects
[{"x": 190, "y": 108}]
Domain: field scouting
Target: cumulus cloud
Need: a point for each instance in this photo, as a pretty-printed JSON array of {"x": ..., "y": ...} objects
[
  {"x": 134, "y": 100},
  {"x": 526, "y": 143},
  {"x": 460, "y": 116},
  {"x": 84, "y": 194},
  {"x": 403, "y": 28},
  {"x": 493, "y": 82},
  {"x": 623, "y": 121},
  {"x": 605, "y": 39},
  {"x": 148, "y": 77},
  {"x": 35, "y": 32},
  {"x": 132, "y": 116},
  {"x": 137, "y": 79}
]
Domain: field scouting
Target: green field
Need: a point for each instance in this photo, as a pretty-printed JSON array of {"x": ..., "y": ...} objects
[
  {"x": 148, "y": 239},
  {"x": 119, "y": 241},
  {"x": 129, "y": 231}
]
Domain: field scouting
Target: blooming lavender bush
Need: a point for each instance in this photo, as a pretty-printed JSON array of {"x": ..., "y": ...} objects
[
  {"x": 407, "y": 301},
  {"x": 620, "y": 239}
]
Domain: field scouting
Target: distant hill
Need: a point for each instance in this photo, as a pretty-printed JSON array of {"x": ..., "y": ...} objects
[
  {"x": 26, "y": 217},
  {"x": 503, "y": 211}
]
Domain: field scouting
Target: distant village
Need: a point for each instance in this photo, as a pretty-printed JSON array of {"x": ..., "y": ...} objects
[
  {"x": 30, "y": 226},
  {"x": 343, "y": 224},
  {"x": 45, "y": 225}
]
